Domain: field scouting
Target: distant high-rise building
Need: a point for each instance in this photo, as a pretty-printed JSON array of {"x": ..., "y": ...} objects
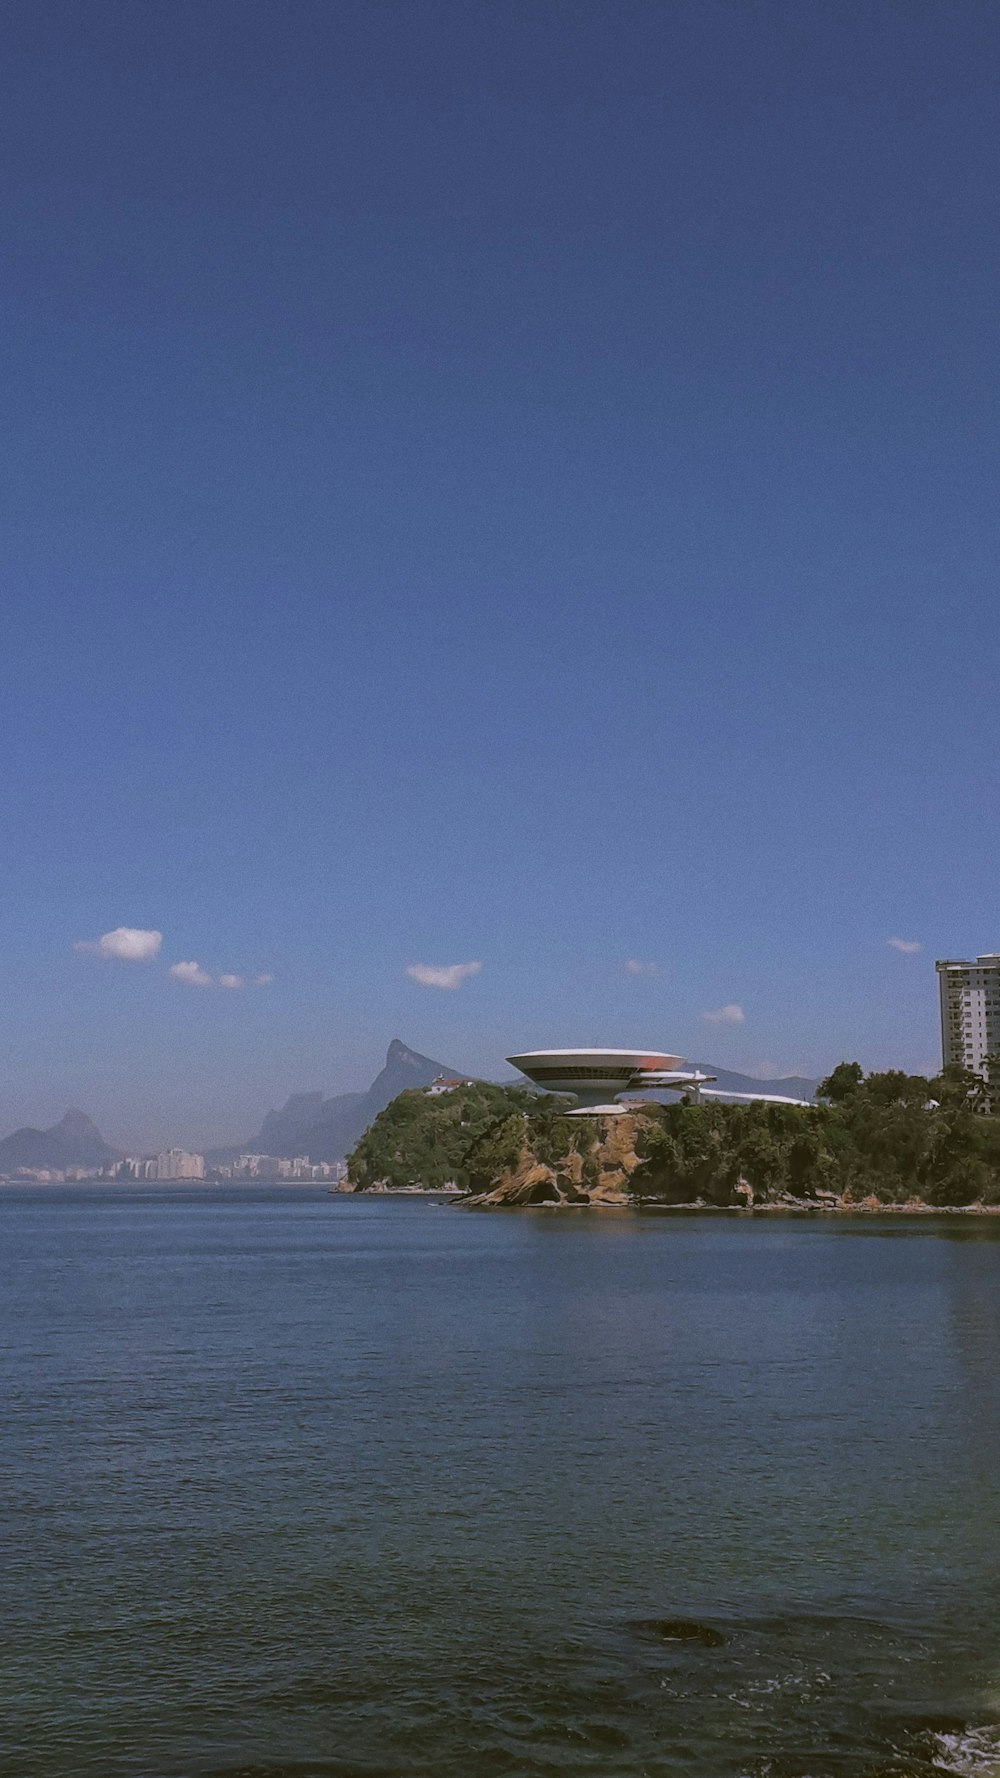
[
  {"x": 175, "y": 1163},
  {"x": 970, "y": 1010}
]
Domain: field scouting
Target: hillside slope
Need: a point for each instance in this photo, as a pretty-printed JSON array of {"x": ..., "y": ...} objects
[
  {"x": 327, "y": 1129},
  {"x": 420, "y": 1141}
]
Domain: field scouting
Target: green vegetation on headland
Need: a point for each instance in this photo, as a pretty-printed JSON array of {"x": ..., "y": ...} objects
[
  {"x": 421, "y": 1140},
  {"x": 888, "y": 1139}
]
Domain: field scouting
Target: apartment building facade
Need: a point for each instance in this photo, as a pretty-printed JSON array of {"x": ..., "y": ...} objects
[{"x": 970, "y": 1009}]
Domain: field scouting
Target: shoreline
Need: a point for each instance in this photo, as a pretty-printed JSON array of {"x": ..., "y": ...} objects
[
  {"x": 802, "y": 1210},
  {"x": 398, "y": 1191},
  {"x": 876, "y": 1209},
  {"x": 806, "y": 1209}
]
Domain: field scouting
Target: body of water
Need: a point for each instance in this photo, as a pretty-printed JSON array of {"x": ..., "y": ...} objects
[{"x": 298, "y": 1486}]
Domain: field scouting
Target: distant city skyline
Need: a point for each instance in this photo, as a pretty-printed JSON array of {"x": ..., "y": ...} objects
[{"x": 501, "y": 541}]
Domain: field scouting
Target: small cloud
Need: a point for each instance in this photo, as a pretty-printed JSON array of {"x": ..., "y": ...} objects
[
  {"x": 448, "y": 975},
  {"x": 908, "y": 946},
  {"x": 230, "y": 981},
  {"x": 725, "y": 1015},
  {"x": 263, "y": 981},
  {"x": 635, "y": 966},
  {"x": 192, "y": 973},
  {"x": 130, "y": 944}
]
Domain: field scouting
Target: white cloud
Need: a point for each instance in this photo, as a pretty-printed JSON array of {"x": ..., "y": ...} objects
[
  {"x": 192, "y": 973},
  {"x": 635, "y": 966},
  {"x": 725, "y": 1015},
  {"x": 448, "y": 975},
  {"x": 130, "y": 944},
  {"x": 908, "y": 946}
]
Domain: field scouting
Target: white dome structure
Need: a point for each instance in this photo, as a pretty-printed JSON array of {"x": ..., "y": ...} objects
[{"x": 596, "y": 1077}]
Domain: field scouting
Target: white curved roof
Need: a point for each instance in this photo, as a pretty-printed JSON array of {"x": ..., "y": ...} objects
[{"x": 633, "y": 1058}]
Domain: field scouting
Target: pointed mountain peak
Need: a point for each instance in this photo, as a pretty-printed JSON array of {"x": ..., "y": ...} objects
[
  {"x": 399, "y": 1055},
  {"x": 77, "y": 1125}
]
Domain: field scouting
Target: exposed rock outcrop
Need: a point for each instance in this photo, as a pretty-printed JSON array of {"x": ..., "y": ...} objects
[
  {"x": 595, "y": 1173},
  {"x": 670, "y": 1157}
]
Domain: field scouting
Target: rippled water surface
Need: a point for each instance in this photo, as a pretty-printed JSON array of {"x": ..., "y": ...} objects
[{"x": 296, "y": 1486}]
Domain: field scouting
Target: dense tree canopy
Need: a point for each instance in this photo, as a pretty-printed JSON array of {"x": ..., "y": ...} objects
[{"x": 421, "y": 1140}]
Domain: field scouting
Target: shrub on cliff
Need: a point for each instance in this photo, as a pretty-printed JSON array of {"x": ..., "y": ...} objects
[
  {"x": 713, "y": 1151},
  {"x": 540, "y": 1125},
  {"x": 900, "y": 1136},
  {"x": 422, "y": 1140}
]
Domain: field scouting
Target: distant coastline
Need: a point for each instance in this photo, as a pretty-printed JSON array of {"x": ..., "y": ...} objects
[{"x": 888, "y": 1143}]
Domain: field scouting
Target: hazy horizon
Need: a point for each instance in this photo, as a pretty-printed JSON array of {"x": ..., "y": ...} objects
[{"x": 222, "y": 1138}]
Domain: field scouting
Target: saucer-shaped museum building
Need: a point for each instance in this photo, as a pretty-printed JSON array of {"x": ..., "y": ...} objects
[{"x": 595, "y": 1077}]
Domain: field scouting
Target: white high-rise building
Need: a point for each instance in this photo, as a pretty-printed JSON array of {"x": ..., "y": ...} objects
[
  {"x": 175, "y": 1163},
  {"x": 970, "y": 1010}
]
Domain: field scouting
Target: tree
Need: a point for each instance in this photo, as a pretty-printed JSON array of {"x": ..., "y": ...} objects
[
  {"x": 958, "y": 1086},
  {"x": 842, "y": 1084},
  {"x": 893, "y": 1087}
]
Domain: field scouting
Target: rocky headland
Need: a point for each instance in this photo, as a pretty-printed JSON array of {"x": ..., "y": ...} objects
[
  {"x": 617, "y": 1173},
  {"x": 889, "y": 1142}
]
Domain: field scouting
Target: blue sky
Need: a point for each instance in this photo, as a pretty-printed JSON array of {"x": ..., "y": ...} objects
[{"x": 500, "y": 483}]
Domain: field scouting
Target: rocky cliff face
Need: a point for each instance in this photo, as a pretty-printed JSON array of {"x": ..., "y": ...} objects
[
  {"x": 597, "y": 1175},
  {"x": 654, "y": 1156}
]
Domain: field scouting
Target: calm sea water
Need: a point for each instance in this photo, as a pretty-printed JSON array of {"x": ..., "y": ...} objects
[{"x": 294, "y": 1485}]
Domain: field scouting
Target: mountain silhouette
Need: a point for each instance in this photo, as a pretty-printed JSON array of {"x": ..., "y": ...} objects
[
  {"x": 791, "y": 1086},
  {"x": 75, "y": 1141},
  {"x": 327, "y": 1129},
  {"x": 307, "y": 1123}
]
